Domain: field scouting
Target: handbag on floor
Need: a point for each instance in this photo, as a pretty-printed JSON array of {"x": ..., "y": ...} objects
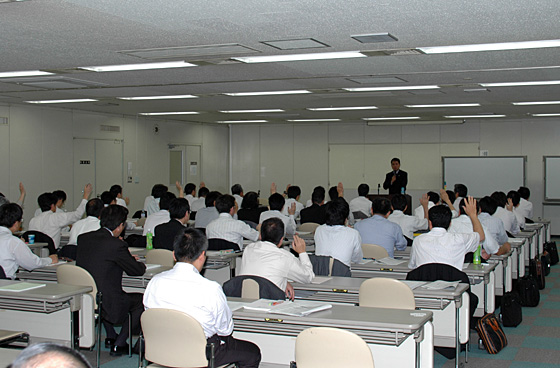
[
  {"x": 528, "y": 290},
  {"x": 536, "y": 270},
  {"x": 491, "y": 333},
  {"x": 510, "y": 310},
  {"x": 550, "y": 247}
]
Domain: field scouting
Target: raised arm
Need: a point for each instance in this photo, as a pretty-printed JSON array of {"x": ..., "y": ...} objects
[
  {"x": 445, "y": 198},
  {"x": 470, "y": 210},
  {"x": 424, "y": 203}
]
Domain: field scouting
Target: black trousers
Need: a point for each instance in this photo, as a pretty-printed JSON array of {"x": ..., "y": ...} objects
[
  {"x": 135, "y": 307},
  {"x": 229, "y": 350}
]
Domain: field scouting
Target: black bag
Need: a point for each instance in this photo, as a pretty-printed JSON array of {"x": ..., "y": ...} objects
[
  {"x": 536, "y": 270},
  {"x": 511, "y": 311},
  {"x": 550, "y": 247},
  {"x": 545, "y": 261},
  {"x": 491, "y": 333},
  {"x": 528, "y": 290}
]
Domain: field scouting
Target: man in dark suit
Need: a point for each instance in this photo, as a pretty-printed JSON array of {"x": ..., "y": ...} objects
[
  {"x": 105, "y": 257},
  {"x": 316, "y": 212},
  {"x": 179, "y": 211},
  {"x": 397, "y": 179}
]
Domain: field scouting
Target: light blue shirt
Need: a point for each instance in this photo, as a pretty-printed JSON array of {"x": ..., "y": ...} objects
[
  {"x": 495, "y": 226},
  {"x": 378, "y": 230}
]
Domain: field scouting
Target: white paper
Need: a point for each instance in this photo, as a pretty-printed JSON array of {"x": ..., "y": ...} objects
[
  {"x": 320, "y": 279},
  {"x": 390, "y": 261},
  {"x": 440, "y": 285},
  {"x": 414, "y": 284}
]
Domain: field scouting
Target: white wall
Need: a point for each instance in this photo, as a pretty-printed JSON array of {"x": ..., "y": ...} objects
[{"x": 37, "y": 144}]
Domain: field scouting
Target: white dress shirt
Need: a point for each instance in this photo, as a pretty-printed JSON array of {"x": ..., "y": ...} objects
[
  {"x": 340, "y": 242},
  {"x": 289, "y": 222},
  {"x": 151, "y": 205},
  {"x": 495, "y": 226},
  {"x": 463, "y": 225},
  {"x": 519, "y": 217},
  {"x": 183, "y": 288},
  {"x": 121, "y": 202},
  {"x": 288, "y": 204},
  {"x": 419, "y": 211},
  {"x": 190, "y": 198},
  {"x": 14, "y": 253},
  {"x": 238, "y": 199},
  {"x": 198, "y": 204},
  {"x": 275, "y": 264},
  {"x": 52, "y": 223},
  {"x": 456, "y": 203},
  {"x": 155, "y": 219},
  {"x": 361, "y": 204},
  {"x": 440, "y": 246},
  {"x": 408, "y": 224},
  {"x": 90, "y": 223},
  {"x": 525, "y": 208},
  {"x": 508, "y": 218},
  {"x": 230, "y": 229}
]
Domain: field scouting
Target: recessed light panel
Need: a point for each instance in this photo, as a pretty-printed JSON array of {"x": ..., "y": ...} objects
[
  {"x": 142, "y": 98},
  {"x": 169, "y": 113},
  {"x": 375, "y": 38},
  {"x": 62, "y": 101},
  {"x": 302, "y": 43},
  {"x": 141, "y": 66},
  {"x": 300, "y": 57}
]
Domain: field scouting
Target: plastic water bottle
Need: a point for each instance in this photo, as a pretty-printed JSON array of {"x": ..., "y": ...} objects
[
  {"x": 402, "y": 190},
  {"x": 143, "y": 214},
  {"x": 149, "y": 240},
  {"x": 476, "y": 256}
]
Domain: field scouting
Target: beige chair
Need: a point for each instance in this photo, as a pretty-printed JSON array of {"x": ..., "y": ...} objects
[
  {"x": 374, "y": 251},
  {"x": 162, "y": 257},
  {"x": 328, "y": 347},
  {"x": 250, "y": 289},
  {"x": 381, "y": 292},
  {"x": 309, "y": 227},
  {"x": 174, "y": 339}
]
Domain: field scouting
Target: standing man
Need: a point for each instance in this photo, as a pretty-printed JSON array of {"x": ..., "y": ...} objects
[{"x": 397, "y": 179}]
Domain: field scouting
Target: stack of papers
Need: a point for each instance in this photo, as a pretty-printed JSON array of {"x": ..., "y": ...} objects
[
  {"x": 390, "y": 261},
  {"x": 440, "y": 285},
  {"x": 21, "y": 286},
  {"x": 296, "y": 308}
]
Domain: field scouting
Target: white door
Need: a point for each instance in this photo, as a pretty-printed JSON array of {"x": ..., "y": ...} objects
[{"x": 184, "y": 165}]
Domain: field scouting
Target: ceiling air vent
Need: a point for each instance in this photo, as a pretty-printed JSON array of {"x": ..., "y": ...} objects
[{"x": 110, "y": 128}]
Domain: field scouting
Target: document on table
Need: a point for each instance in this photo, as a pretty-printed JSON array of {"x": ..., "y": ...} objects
[
  {"x": 57, "y": 263},
  {"x": 414, "y": 284},
  {"x": 296, "y": 308},
  {"x": 320, "y": 279},
  {"x": 440, "y": 285},
  {"x": 21, "y": 286},
  {"x": 390, "y": 261}
]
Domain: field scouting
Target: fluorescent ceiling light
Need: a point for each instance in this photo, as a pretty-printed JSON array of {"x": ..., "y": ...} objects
[
  {"x": 394, "y": 118},
  {"x": 269, "y": 93},
  {"x": 536, "y": 103},
  {"x": 544, "y": 115},
  {"x": 520, "y": 84},
  {"x": 249, "y": 111},
  {"x": 341, "y": 108},
  {"x": 143, "y": 66},
  {"x": 300, "y": 57},
  {"x": 310, "y": 120},
  {"x": 424, "y": 122},
  {"x": 169, "y": 113},
  {"x": 490, "y": 47},
  {"x": 26, "y": 73},
  {"x": 241, "y": 121},
  {"x": 171, "y": 97},
  {"x": 396, "y": 88},
  {"x": 473, "y": 116},
  {"x": 445, "y": 105},
  {"x": 62, "y": 101}
]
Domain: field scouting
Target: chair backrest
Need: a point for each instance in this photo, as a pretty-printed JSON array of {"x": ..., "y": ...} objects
[
  {"x": 250, "y": 289},
  {"x": 328, "y": 266},
  {"x": 328, "y": 347},
  {"x": 162, "y": 257},
  {"x": 359, "y": 215},
  {"x": 308, "y": 227},
  {"x": 173, "y": 338},
  {"x": 382, "y": 292},
  {"x": 374, "y": 251},
  {"x": 40, "y": 237},
  {"x": 251, "y": 223},
  {"x": 221, "y": 244},
  {"x": 267, "y": 289},
  {"x": 75, "y": 275}
]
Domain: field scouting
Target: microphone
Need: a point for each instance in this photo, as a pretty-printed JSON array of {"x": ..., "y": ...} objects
[{"x": 378, "y": 186}]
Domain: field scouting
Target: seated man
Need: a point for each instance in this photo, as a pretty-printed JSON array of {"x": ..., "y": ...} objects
[
  {"x": 159, "y": 217},
  {"x": 505, "y": 212},
  {"x": 336, "y": 240},
  {"x": 199, "y": 203},
  {"x": 237, "y": 193},
  {"x": 14, "y": 252},
  {"x": 116, "y": 190},
  {"x": 190, "y": 192},
  {"x": 164, "y": 234},
  {"x": 494, "y": 225},
  {"x": 378, "y": 230},
  {"x": 151, "y": 203},
  {"x": 515, "y": 200},
  {"x": 267, "y": 259},
  {"x": 408, "y": 224},
  {"x": 184, "y": 289},
  {"x": 51, "y": 221},
  {"x": 433, "y": 199},
  {"x": 108, "y": 198},
  {"x": 361, "y": 203},
  {"x": 317, "y": 212},
  {"x": 525, "y": 207},
  {"x": 226, "y": 227},
  {"x": 208, "y": 214},
  {"x": 461, "y": 192},
  {"x": 48, "y": 355},
  {"x": 441, "y": 246},
  {"x": 60, "y": 199},
  {"x": 106, "y": 257},
  {"x": 90, "y": 223},
  {"x": 275, "y": 205},
  {"x": 293, "y": 192}
]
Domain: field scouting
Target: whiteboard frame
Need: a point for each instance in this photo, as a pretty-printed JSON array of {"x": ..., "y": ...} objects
[{"x": 547, "y": 199}]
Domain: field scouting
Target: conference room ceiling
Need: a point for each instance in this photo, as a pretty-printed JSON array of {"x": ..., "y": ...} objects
[{"x": 60, "y": 37}]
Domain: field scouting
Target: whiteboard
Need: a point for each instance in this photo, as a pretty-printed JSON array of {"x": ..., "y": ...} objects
[
  {"x": 484, "y": 175},
  {"x": 552, "y": 178}
]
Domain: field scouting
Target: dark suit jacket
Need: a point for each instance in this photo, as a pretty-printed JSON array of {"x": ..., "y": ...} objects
[
  {"x": 395, "y": 188},
  {"x": 315, "y": 213},
  {"x": 105, "y": 258},
  {"x": 165, "y": 234}
]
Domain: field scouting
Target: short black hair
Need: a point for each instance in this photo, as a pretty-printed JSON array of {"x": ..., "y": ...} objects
[
  {"x": 165, "y": 200},
  {"x": 112, "y": 216},
  {"x": 463, "y": 203},
  {"x": 440, "y": 216},
  {"x": 46, "y": 200},
  {"x": 225, "y": 203},
  {"x": 488, "y": 205},
  {"x": 294, "y": 191},
  {"x": 211, "y": 198},
  {"x": 189, "y": 244},
  {"x": 450, "y": 194},
  {"x": 94, "y": 207},
  {"x": 10, "y": 213},
  {"x": 399, "y": 202},
  {"x": 460, "y": 189},
  {"x": 524, "y": 192},
  {"x": 276, "y": 202},
  {"x": 381, "y": 206},
  {"x": 515, "y": 197},
  {"x": 250, "y": 201},
  {"x": 203, "y": 192},
  {"x": 178, "y": 207},
  {"x": 337, "y": 212},
  {"x": 395, "y": 159},
  {"x": 116, "y": 190},
  {"x": 318, "y": 195},
  {"x": 60, "y": 194},
  {"x": 363, "y": 190},
  {"x": 236, "y": 189},
  {"x": 107, "y": 197},
  {"x": 34, "y": 355},
  {"x": 433, "y": 197},
  {"x": 189, "y": 188},
  {"x": 272, "y": 230},
  {"x": 158, "y": 190},
  {"x": 500, "y": 198},
  {"x": 333, "y": 193}
]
